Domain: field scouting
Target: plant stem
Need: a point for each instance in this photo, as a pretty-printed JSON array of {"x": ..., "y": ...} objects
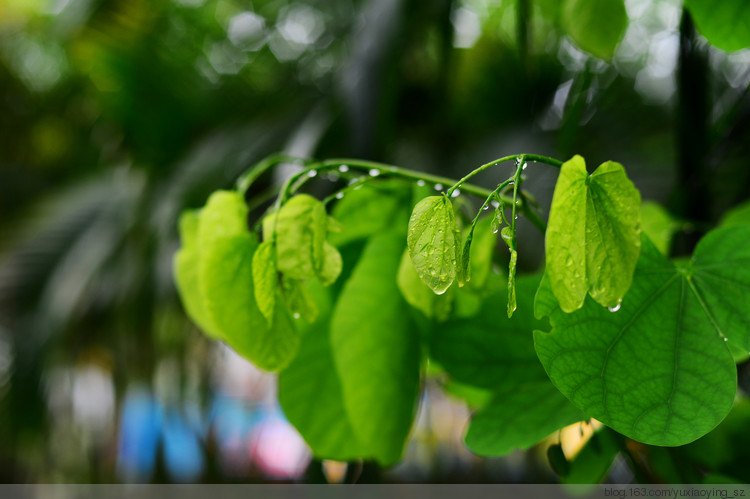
[{"x": 529, "y": 157}]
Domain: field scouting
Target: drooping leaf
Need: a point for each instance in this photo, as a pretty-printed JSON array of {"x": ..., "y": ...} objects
[
  {"x": 226, "y": 283},
  {"x": 265, "y": 279},
  {"x": 186, "y": 263},
  {"x": 311, "y": 395},
  {"x": 332, "y": 265},
  {"x": 596, "y": 26},
  {"x": 375, "y": 345},
  {"x": 520, "y": 417},
  {"x": 301, "y": 250},
  {"x": 435, "y": 242},
  {"x": 725, "y": 24},
  {"x": 224, "y": 215},
  {"x": 490, "y": 350},
  {"x": 479, "y": 244},
  {"x": 418, "y": 295},
  {"x": 658, "y": 225},
  {"x": 658, "y": 369},
  {"x": 593, "y": 236}
]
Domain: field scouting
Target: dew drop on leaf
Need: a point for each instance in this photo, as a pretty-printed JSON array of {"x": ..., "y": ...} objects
[
  {"x": 438, "y": 187},
  {"x": 312, "y": 173},
  {"x": 420, "y": 183},
  {"x": 616, "y": 307},
  {"x": 343, "y": 168},
  {"x": 339, "y": 195},
  {"x": 455, "y": 193},
  {"x": 374, "y": 172},
  {"x": 296, "y": 315}
]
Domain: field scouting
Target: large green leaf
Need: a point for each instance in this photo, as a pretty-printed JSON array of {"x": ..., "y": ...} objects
[
  {"x": 224, "y": 215},
  {"x": 490, "y": 350},
  {"x": 657, "y": 370},
  {"x": 376, "y": 350},
  {"x": 520, "y": 417},
  {"x": 597, "y": 26},
  {"x": 593, "y": 236},
  {"x": 435, "y": 242},
  {"x": 311, "y": 395},
  {"x": 725, "y": 23},
  {"x": 418, "y": 295},
  {"x": 226, "y": 284}
]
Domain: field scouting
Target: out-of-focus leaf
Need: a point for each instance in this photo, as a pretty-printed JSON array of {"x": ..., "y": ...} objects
[
  {"x": 597, "y": 26},
  {"x": 725, "y": 24}
]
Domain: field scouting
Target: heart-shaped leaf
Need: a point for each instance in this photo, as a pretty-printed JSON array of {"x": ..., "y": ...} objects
[
  {"x": 658, "y": 369},
  {"x": 593, "y": 237}
]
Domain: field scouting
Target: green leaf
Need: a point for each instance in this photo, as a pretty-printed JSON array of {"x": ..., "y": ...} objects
[
  {"x": 298, "y": 299},
  {"x": 658, "y": 369},
  {"x": 371, "y": 209},
  {"x": 725, "y": 24},
  {"x": 331, "y": 266},
  {"x": 224, "y": 215},
  {"x": 418, "y": 295},
  {"x": 265, "y": 279},
  {"x": 311, "y": 396},
  {"x": 591, "y": 464},
  {"x": 739, "y": 215},
  {"x": 226, "y": 284},
  {"x": 596, "y": 26},
  {"x": 434, "y": 242},
  {"x": 512, "y": 283},
  {"x": 520, "y": 417},
  {"x": 490, "y": 350},
  {"x": 593, "y": 235},
  {"x": 479, "y": 245},
  {"x": 186, "y": 263},
  {"x": 658, "y": 225},
  {"x": 301, "y": 250},
  {"x": 378, "y": 349}
]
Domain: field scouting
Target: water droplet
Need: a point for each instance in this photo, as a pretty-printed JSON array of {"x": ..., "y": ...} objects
[
  {"x": 616, "y": 307},
  {"x": 495, "y": 230},
  {"x": 374, "y": 172},
  {"x": 495, "y": 204},
  {"x": 312, "y": 173},
  {"x": 356, "y": 188},
  {"x": 726, "y": 339},
  {"x": 455, "y": 193},
  {"x": 486, "y": 207},
  {"x": 524, "y": 166},
  {"x": 339, "y": 195},
  {"x": 343, "y": 168},
  {"x": 438, "y": 187},
  {"x": 296, "y": 315},
  {"x": 420, "y": 183}
]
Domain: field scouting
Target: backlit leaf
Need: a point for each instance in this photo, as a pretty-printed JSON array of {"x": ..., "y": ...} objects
[
  {"x": 435, "y": 242},
  {"x": 593, "y": 236},
  {"x": 658, "y": 225}
]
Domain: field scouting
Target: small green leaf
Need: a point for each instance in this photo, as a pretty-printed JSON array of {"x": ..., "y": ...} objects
[
  {"x": 300, "y": 236},
  {"x": 265, "y": 279},
  {"x": 418, "y": 295},
  {"x": 593, "y": 235},
  {"x": 596, "y": 26},
  {"x": 476, "y": 258},
  {"x": 434, "y": 242},
  {"x": 519, "y": 418},
  {"x": 331, "y": 266},
  {"x": 374, "y": 343},
  {"x": 725, "y": 23},
  {"x": 226, "y": 284},
  {"x": 657, "y": 368}
]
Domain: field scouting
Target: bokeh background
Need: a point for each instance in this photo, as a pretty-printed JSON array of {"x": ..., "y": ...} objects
[{"x": 115, "y": 115}]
